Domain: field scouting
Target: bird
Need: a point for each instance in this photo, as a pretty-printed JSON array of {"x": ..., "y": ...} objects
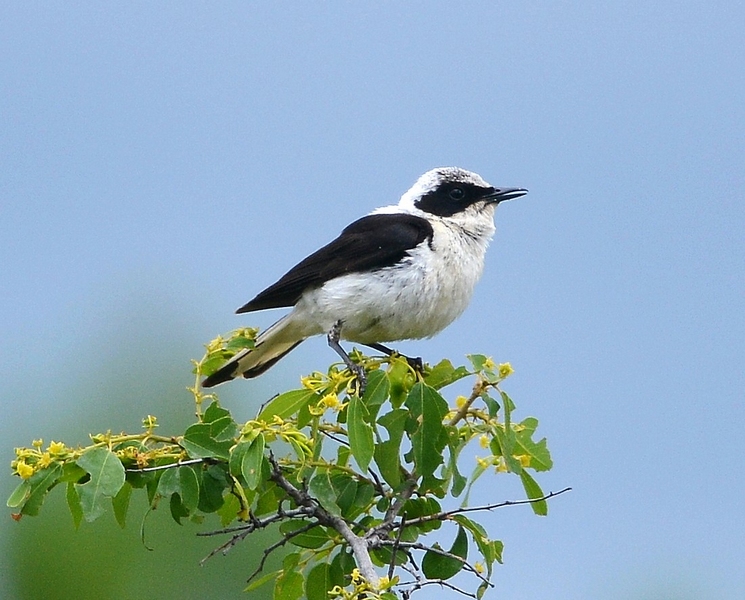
[{"x": 404, "y": 271}]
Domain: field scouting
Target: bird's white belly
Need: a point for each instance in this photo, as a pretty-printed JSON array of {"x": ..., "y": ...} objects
[{"x": 415, "y": 299}]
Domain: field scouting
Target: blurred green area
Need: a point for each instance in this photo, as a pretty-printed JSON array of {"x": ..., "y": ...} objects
[{"x": 113, "y": 379}]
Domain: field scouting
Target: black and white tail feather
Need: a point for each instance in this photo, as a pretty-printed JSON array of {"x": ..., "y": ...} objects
[{"x": 402, "y": 272}]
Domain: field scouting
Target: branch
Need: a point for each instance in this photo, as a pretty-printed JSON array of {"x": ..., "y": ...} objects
[
  {"x": 441, "y": 516},
  {"x": 359, "y": 545},
  {"x": 478, "y": 389},
  {"x": 180, "y": 463},
  {"x": 419, "y": 546}
]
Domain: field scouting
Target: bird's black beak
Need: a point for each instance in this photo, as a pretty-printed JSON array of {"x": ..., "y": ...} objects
[{"x": 498, "y": 195}]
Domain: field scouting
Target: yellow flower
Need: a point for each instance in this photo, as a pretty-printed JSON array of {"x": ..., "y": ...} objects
[
  {"x": 505, "y": 370},
  {"x": 484, "y": 441},
  {"x": 331, "y": 401},
  {"x": 24, "y": 471},
  {"x": 37, "y": 443},
  {"x": 479, "y": 567},
  {"x": 460, "y": 401},
  {"x": 150, "y": 422},
  {"x": 489, "y": 363},
  {"x": 56, "y": 448},
  {"x": 45, "y": 460},
  {"x": 524, "y": 459},
  {"x": 483, "y": 462}
]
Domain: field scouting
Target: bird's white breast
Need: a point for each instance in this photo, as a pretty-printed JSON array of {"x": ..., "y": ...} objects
[{"x": 416, "y": 298}]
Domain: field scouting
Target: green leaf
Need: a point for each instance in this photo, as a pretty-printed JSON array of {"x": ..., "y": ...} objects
[
  {"x": 360, "y": 433},
  {"x": 346, "y": 492},
  {"x": 322, "y": 490},
  {"x": 438, "y": 566},
  {"x": 214, "y": 412},
  {"x": 73, "y": 503},
  {"x": 39, "y": 484},
  {"x": 19, "y": 495},
  {"x": 490, "y": 550},
  {"x": 288, "y": 586},
  {"x": 212, "y": 484},
  {"x": 169, "y": 482},
  {"x": 443, "y": 373},
  {"x": 388, "y": 453},
  {"x": 377, "y": 391},
  {"x": 252, "y": 461},
  {"x": 189, "y": 488},
  {"x": 477, "y": 360},
  {"x": 107, "y": 478},
  {"x": 257, "y": 583},
  {"x": 240, "y": 342},
  {"x": 397, "y": 377},
  {"x": 120, "y": 502},
  {"x": 428, "y": 408},
  {"x": 533, "y": 490},
  {"x": 199, "y": 443},
  {"x": 540, "y": 457},
  {"x": 286, "y": 404},
  {"x": 224, "y": 429},
  {"x": 318, "y": 583}
]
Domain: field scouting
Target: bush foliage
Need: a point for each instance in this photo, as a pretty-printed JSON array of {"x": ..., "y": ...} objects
[{"x": 354, "y": 487}]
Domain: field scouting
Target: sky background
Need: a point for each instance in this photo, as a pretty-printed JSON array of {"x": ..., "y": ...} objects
[{"x": 161, "y": 163}]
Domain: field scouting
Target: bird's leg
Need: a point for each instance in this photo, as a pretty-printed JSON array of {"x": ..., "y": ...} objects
[
  {"x": 334, "y": 336},
  {"x": 414, "y": 363}
]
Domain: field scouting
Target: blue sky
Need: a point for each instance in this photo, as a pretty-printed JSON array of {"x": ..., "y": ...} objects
[{"x": 162, "y": 163}]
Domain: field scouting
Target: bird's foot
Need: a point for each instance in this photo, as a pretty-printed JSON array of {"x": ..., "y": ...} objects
[{"x": 417, "y": 364}]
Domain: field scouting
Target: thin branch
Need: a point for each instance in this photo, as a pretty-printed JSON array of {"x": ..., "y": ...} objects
[
  {"x": 442, "y": 516},
  {"x": 181, "y": 463},
  {"x": 278, "y": 544},
  {"x": 359, "y": 545},
  {"x": 259, "y": 523},
  {"x": 418, "y": 585},
  {"x": 478, "y": 389},
  {"x": 396, "y": 543},
  {"x": 419, "y": 546}
]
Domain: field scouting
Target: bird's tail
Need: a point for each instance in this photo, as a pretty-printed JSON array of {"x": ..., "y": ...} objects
[{"x": 271, "y": 345}]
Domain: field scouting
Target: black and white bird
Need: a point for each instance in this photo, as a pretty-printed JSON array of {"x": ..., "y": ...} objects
[{"x": 402, "y": 272}]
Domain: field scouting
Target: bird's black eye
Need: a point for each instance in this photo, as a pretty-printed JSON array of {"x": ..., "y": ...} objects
[{"x": 456, "y": 193}]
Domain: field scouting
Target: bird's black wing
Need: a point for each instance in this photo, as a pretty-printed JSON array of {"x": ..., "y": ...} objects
[{"x": 372, "y": 242}]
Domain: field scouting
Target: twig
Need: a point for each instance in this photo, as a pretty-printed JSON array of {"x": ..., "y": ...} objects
[
  {"x": 419, "y": 546},
  {"x": 478, "y": 389},
  {"x": 359, "y": 545},
  {"x": 278, "y": 544},
  {"x": 181, "y": 463},
  {"x": 418, "y": 585},
  {"x": 442, "y": 516}
]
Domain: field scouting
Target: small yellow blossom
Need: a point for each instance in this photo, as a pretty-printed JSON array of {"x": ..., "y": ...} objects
[
  {"x": 44, "y": 461},
  {"x": 356, "y": 577},
  {"x": 489, "y": 363},
  {"x": 149, "y": 422},
  {"x": 215, "y": 344},
  {"x": 331, "y": 401},
  {"x": 524, "y": 459},
  {"x": 505, "y": 370},
  {"x": 479, "y": 567},
  {"x": 24, "y": 470},
  {"x": 460, "y": 401},
  {"x": 483, "y": 462},
  {"x": 37, "y": 443},
  {"x": 484, "y": 441},
  {"x": 56, "y": 448}
]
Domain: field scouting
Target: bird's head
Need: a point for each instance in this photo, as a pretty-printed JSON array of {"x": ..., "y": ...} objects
[{"x": 454, "y": 193}]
